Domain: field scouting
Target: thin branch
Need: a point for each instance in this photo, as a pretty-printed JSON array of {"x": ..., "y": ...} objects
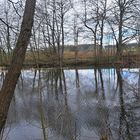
[
  {"x": 12, "y": 28},
  {"x": 5, "y": 23},
  {"x": 13, "y": 4}
]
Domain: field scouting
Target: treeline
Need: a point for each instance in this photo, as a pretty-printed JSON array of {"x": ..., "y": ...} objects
[{"x": 59, "y": 23}]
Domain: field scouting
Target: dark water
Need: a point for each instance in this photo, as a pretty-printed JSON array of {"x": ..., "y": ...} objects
[{"x": 86, "y": 104}]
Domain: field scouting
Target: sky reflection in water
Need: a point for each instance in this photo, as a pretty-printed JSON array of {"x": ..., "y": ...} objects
[{"x": 84, "y": 104}]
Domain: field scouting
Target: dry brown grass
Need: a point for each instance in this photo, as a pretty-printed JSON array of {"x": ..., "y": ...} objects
[
  {"x": 80, "y": 55},
  {"x": 107, "y": 57},
  {"x": 43, "y": 57}
]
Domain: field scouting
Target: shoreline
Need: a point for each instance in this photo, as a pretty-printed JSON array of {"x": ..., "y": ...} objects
[{"x": 78, "y": 64}]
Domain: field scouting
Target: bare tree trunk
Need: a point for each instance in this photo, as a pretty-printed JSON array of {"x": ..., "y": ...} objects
[
  {"x": 76, "y": 36},
  {"x": 14, "y": 70},
  {"x": 94, "y": 28},
  {"x": 53, "y": 27},
  {"x": 120, "y": 33},
  {"x": 103, "y": 18}
]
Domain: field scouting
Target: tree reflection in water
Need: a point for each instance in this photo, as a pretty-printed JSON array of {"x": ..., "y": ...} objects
[
  {"x": 57, "y": 104},
  {"x": 138, "y": 93},
  {"x": 124, "y": 126}
]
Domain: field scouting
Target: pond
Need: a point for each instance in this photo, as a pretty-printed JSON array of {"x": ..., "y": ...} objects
[{"x": 75, "y": 104}]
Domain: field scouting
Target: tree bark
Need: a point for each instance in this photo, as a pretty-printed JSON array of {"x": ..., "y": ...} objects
[{"x": 9, "y": 84}]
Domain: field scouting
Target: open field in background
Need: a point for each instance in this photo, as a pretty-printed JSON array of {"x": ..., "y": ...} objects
[
  {"x": 87, "y": 58},
  {"x": 83, "y": 58}
]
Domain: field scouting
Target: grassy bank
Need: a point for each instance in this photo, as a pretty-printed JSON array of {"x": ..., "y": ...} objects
[{"x": 70, "y": 59}]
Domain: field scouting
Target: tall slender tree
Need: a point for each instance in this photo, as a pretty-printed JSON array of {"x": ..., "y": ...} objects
[
  {"x": 123, "y": 18},
  {"x": 11, "y": 78}
]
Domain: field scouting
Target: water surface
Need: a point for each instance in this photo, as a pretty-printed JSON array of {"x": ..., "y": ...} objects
[{"x": 77, "y": 104}]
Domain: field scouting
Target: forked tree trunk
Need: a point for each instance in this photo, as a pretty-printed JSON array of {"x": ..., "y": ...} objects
[{"x": 9, "y": 84}]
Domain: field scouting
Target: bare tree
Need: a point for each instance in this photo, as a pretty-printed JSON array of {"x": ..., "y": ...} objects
[
  {"x": 91, "y": 21},
  {"x": 102, "y": 16},
  {"x": 76, "y": 31},
  {"x": 94, "y": 20},
  {"x": 9, "y": 28},
  {"x": 51, "y": 17},
  {"x": 121, "y": 22}
]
